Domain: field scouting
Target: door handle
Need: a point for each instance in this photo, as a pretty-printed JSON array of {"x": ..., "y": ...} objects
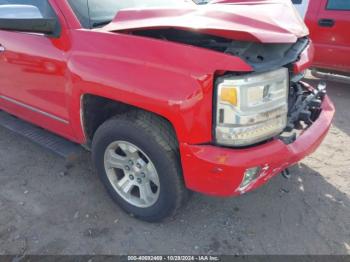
[{"x": 326, "y": 22}]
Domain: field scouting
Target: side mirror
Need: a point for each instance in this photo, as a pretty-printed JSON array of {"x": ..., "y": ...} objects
[{"x": 26, "y": 18}]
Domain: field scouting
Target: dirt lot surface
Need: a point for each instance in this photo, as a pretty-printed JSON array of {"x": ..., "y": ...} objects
[{"x": 44, "y": 210}]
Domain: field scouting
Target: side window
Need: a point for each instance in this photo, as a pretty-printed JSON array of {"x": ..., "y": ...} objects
[
  {"x": 35, "y": 9},
  {"x": 338, "y": 5},
  {"x": 81, "y": 10},
  {"x": 297, "y": 2}
]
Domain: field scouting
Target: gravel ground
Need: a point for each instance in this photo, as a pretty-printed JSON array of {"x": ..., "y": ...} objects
[{"x": 44, "y": 210}]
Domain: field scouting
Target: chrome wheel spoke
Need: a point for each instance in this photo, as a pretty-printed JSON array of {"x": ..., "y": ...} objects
[
  {"x": 115, "y": 160},
  {"x": 129, "y": 150},
  {"x": 151, "y": 173},
  {"x": 127, "y": 185},
  {"x": 123, "y": 181},
  {"x": 146, "y": 193}
]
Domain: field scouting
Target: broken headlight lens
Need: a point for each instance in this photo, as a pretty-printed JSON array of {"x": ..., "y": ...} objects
[{"x": 251, "y": 108}]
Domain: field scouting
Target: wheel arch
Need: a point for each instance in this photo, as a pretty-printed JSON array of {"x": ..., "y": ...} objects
[{"x": 95, "y": 110}]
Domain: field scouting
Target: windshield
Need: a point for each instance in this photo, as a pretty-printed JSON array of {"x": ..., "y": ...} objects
[{"x": 95, "y": 13}]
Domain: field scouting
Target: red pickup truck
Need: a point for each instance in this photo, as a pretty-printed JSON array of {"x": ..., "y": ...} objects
[
  {"x": 329, "y": 23},
  {"x": 169, "y": 96}
]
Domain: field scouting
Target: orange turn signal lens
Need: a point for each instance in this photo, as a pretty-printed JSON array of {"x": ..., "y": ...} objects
[{"x": 229, "y": 94}]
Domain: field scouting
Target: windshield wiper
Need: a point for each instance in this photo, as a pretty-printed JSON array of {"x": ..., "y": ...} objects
[{"x": 101, "y": 23}]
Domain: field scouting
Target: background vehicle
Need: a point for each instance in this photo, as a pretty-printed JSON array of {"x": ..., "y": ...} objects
[
  {"x": 329, "y": 23},
  {"x": 165, "y": 106}
]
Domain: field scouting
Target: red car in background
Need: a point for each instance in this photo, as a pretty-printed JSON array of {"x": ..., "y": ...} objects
[{"x": 329, "y": 23}]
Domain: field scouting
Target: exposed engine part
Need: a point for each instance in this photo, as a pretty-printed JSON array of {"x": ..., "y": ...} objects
[
  {"x": 304, "y": 109},
  {"x": 261, "y": 56},
  {"x": 295, "y": 78}
]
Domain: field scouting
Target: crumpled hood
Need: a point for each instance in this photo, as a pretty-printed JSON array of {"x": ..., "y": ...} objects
[{"x": 266, "y": 21}]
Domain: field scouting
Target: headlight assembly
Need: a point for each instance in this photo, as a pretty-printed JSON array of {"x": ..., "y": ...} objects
[{"x": 251, "y": 108}]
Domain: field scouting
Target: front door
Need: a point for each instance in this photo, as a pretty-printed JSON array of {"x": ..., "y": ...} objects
[{"x": 33, "y": 72}]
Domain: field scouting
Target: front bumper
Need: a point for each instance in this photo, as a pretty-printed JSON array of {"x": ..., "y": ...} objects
[{"x": 219, "y": 171}]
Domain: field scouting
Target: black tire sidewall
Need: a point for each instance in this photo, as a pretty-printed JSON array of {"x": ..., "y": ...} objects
[{"x": 164, "y": 161}]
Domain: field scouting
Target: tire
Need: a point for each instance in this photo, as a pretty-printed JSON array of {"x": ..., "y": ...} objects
[{"x": 156, "y": 143}]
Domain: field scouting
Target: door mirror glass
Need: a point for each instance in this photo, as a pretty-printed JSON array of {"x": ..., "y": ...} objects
[
  {"x": 27, "y": 18},
  {"x": 20, "y": 12}
]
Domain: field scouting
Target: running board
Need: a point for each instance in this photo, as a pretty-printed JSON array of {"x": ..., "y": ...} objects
[
  {"x": 62, "y": 147},
  {"x": 345, "y": 79}
]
